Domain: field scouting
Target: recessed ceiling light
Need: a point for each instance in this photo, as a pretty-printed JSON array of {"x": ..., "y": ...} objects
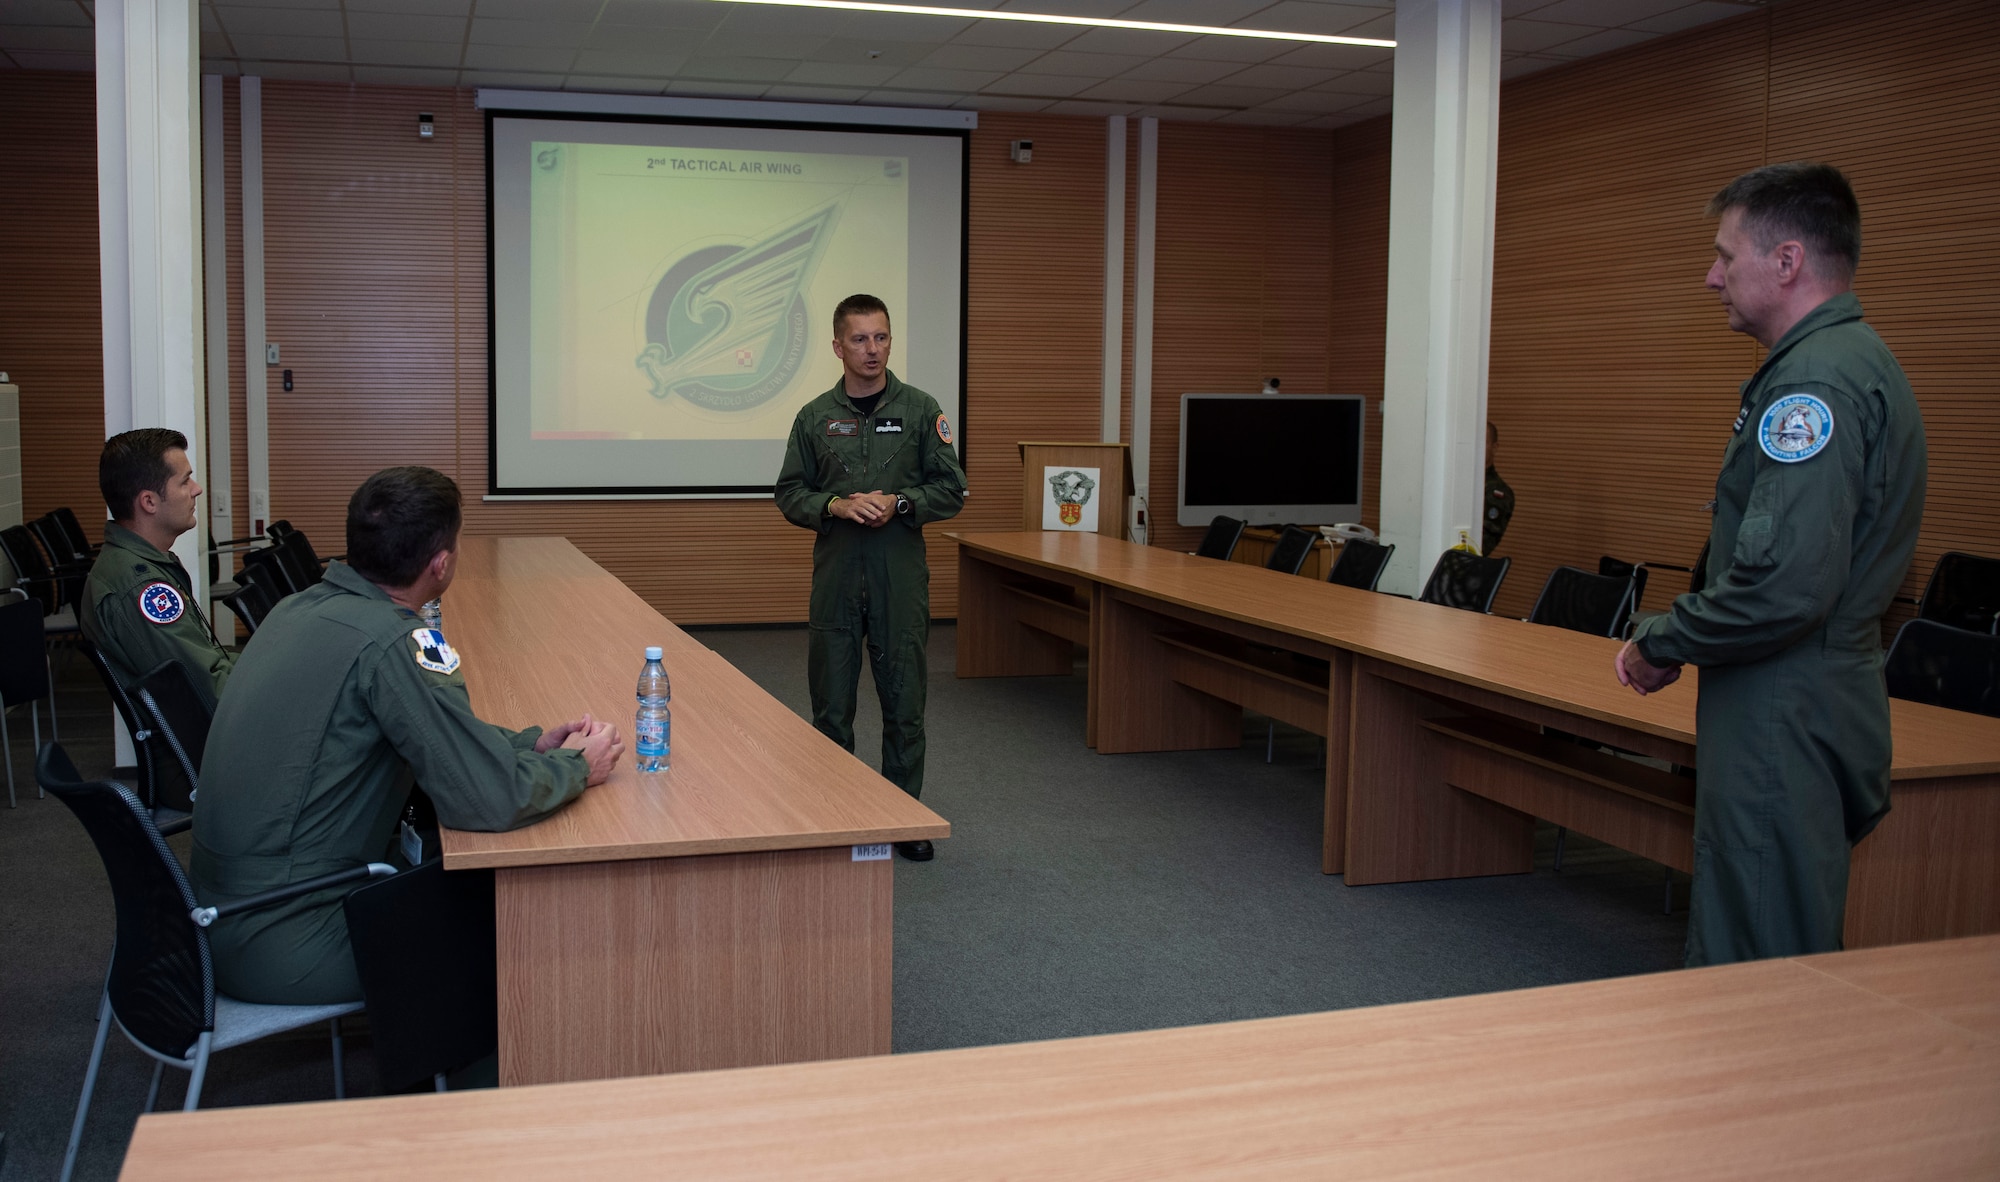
[{"x": 1094, "y": 22}]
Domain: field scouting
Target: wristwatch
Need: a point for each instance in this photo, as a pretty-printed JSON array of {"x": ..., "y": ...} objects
[{"x": 902, "y": 505}]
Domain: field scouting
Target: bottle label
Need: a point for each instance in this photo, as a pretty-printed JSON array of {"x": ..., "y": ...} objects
[{"x": 651, "y": 735}]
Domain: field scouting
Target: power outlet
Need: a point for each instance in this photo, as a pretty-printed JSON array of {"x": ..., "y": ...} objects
[{"x": 271, "y": 353}]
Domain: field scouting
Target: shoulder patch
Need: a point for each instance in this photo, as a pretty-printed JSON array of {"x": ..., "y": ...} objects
[
  {"x": 433, "y": 653},
  {"x": 161, "y": 603},
  {"x": 944, "y": 428},
  {"x": 1797, "y": 427}
]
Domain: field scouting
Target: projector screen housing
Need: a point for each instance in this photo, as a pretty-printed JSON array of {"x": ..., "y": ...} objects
[
  {"x": 1271, "y": 459},
  {"x": 661, "y": 289}
]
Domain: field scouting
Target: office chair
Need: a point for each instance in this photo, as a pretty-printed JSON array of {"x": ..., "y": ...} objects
[
  {"x": 79, "y": 541},
  {"x": 178, "y": 713},
  {"x": 1583, "y": 602},
  {"x": 1220, "y": 540},
  {"x": 1964, "y": 592},
  {"x": 1465, "y": 580},
  {"x": 161, "y": 782},
  {"x": 1940, "y": 665},
  {"x": 161, "y": 987},
  {"x": 24, "y": 675},
  {"x": 1360, "y": 564},
  {"x": 259, "y": 587},
  {"x": 59, "y": 589},
  {"x": 1294, "y": 545}
]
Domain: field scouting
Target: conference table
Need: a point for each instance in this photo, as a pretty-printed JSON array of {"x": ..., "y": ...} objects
[
  {"x": 1448, "y": 732},
  {"x": 1883, "y": 1063},
  {"x": 733, "y": 910}
]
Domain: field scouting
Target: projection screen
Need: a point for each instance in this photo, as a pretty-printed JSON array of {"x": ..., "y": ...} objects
[{"x": 662, "y": 292}]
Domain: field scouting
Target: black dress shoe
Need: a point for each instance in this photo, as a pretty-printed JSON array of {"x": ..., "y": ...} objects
[{"x": 916, "y": 851}]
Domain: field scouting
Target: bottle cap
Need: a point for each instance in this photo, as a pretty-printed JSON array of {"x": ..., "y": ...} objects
[{"x": 653, "y": 652}]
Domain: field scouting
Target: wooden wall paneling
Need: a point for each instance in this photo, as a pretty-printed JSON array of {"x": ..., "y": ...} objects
[
  {"x": 51, "y": 318},
  {"x": 1358, "y": 278},
  {"x": 1241, "y": 288}
]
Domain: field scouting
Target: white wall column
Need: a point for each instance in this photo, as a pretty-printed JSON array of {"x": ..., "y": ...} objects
[
  {"x": 1441, "y": 197},
  {"x": 1114, "y": 275},
  {"x": 149, "y": 227},
  {"x": 256, "y": 374},
  {"x": 1145, "y": 234},
  {"x": 215, "y": 285}
]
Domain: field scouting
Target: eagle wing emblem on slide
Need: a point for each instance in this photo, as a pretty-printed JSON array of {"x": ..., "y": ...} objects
[{"x": 726, "y": 327}]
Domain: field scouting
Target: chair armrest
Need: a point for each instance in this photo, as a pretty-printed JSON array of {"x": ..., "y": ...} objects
[
  {"x": 179, "y": 824},
  {"x": 203, "y": 916},
  {"x": 1912, "y": 600}
]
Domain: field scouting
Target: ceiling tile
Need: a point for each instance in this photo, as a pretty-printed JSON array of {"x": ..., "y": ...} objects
[
  {"x": 757, "y": 20},
  {"x": 404, "y": 76},
  {"x": 1266, "y": 117},
  {"x": 1166, "y": 113},
  {"x": 625, "y": 39},
  {"x": 887, "y": 53},
  {"x": 765, "y": 70},
  {"x": 890, "y": 27},
  {"x": 1282, "y": 77},
  {"x": 1094, "y": 65},
  {"x": 1016, "y": 34},
  {"x": 382, "y": 26},
  {"x": 1692, "y": 15},
  {"x": 592, "y": 83},
  {"x": 297, "y": 49},
  {"x": 702, "y": 89},
  {"x": 1361, "y": 82},
  {"x": 208, "y": 22},
  {"x": 281, "y": 22},
  {"x": 1335, "y": 57},
  {"x": 298, "y": 71},
  {"x": 1193, "y": 12},
  {"x": 1296, "y": 17},
  {"x": 1001, "y": 102},
  {"x": 1509, "y": 9},
  {"x": 537, "y": 10},
  {"x": 1374, "y": 106},
  {"x": 912, "y": 98},
  {"x": 1064, "y": 7},
  {"x": 1135, "y": 90},
  {"x": 650, "y": 14},
  {"x": 1317, "y": 102},
  {"x": 458, "y": 8},
  {"x": 1606, "y": 41},
  {"x": 226, "y": 67},
  {"x": 978, "y": 57},
  {"x": 59, "y": 38},
  {"x": 1236, "y": 49},
  {"x": 1086, "y": 107},
  {"x": 630, "y": 63},
  {"x": 1606, "y": 12},
  {"x": 864, "y": 77},
  {"x": 1046, "y": 85},
  {"x": 1330, "y": 122},
  {"x": 1139, "y": 42},
  {"x": 41, "y": 59},
  {"x": 43, "y": 12},
  {"x": 404, "y": 53},
  {"x": 927, "y": 78},
  {"x": 212, "y": 45},
  {"x": 554, "y": 58},
  {"x": 1230, "y": 96},
  {"x": 533, "y": 34},
  {"x": 1180, "y": 69},
  {"x": 1382, "y": 28},
  {"x": 815, "y": 94},
  {"x": 526, "y": 79},
  {"x": 1527, "y": 63},
  {"x": 723, "y": 43},
  {"x": 1525, "y": 36}
]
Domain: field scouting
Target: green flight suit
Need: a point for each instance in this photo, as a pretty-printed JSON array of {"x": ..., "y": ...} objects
[
  {"x": 138, "y": 624},
  {"x": 871, "y": 582},
  {"x": 1792, "y": 754},
  {"x": 337, "y": 705}
]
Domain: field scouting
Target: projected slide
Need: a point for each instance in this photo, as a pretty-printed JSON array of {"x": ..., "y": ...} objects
[{"x": 663, "y": 293}]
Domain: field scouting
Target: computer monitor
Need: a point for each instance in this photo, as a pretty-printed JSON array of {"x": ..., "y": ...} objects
[{"x": 1271, "y": 458}]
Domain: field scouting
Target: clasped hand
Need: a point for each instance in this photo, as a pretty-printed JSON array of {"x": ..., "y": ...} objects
[
  {"x": 869, "y": 508},
  {"x": 598, "y": 741},
  {"x": 1643, "y": 676}
]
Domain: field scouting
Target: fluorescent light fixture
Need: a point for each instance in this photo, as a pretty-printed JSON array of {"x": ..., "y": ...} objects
[{"x": 1094, "y": 22}]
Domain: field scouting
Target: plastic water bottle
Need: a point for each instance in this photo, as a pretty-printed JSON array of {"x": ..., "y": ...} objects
[{"x": 653, "y": 729}]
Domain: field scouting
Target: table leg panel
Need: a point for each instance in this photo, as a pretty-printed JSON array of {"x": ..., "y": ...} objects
[
  {"x": 993, "y": 641},
  {"x": 1339, "y": 718},
  {"x": 647, "y": 966},
  {"x": 1931, "y": 869},
  {"x": 1144, "y": 708},
  {"x": 1404, "y": 823}
]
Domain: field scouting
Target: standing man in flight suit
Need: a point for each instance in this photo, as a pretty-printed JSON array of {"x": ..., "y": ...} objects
[
  {"x": 1816, "y": 516},
  {"x": 869, "y": 462},
  {"x": 139, "y": 603},
  {"x": 343, "y": 699}
]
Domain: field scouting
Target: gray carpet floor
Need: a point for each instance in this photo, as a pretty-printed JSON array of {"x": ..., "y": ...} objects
[{"x": 1078, "y": 894}]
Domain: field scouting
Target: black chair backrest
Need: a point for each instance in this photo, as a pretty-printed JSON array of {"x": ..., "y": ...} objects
[
  {"x": 278, "y": 567},
  {"x": 1583, "y": 602},
  {"x": 55, "y": 542},
  {"x": 179, "y": 713},
  {"x": 78, "y": 540},
  {"x": 1361, "y": 564},
  {"x": 1290, "y": 552},
  {"x": 161, "y": 781},
  {"x": 304, "y": 561},
  {"x": 425, "y": 950},
  {"x": 258, "y": 590},
  {"x": 31, "y": 569},
  {"x": 162, "y": 983},
  {"x": 1940, "y": 665},
  {"x": 1964, "y": 592},
  {"x": 24, "y": 658},
  {"x": 1608, "y": 565},
  {"x": 1465, "y": 580},
  {"x": 1220, "y": 540}
]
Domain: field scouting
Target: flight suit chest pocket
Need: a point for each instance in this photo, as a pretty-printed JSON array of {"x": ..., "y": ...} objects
[{"x": 841, "y": 456}]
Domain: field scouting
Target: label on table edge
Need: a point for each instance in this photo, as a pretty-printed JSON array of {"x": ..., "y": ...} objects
[{"x": 872, "y": 853}]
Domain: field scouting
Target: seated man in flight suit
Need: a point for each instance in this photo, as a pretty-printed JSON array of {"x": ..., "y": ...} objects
[{"x": 341, "y": 701}]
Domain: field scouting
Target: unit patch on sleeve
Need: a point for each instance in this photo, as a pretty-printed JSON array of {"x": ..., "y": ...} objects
[
  {"x": 944, "y": 428},
  {"x": 433, "y": 653},
  {"x": 161, "y": 603},
  {"x": 1797, "y": 427}
]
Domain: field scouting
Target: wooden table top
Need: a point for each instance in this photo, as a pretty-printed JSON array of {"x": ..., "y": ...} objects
[
  {"x": 546, "y": 634},
  {"x": 1554, "y": 667},
  {"x": 1875, "y": 1064}
]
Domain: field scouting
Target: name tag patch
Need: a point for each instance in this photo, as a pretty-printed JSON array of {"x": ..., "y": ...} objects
[
  {"x": 843, "y": 426},
  {"x": 161, "y": 603},
  {"x": 433, "y": 653},
  {"x": 888, "y": 426},
  {"x": 1797, "y": 427}
]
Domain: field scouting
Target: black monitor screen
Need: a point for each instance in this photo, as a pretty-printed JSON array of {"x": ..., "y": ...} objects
[{"x": 1276, "y": 451}]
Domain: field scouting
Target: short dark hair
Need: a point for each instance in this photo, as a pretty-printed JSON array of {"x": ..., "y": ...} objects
[
  {"x": 397, "y": 520},
  {"x": 859, "y": 304},
  {"x": 1812, "y": 202},
  {"x": 134, "y": 462}
]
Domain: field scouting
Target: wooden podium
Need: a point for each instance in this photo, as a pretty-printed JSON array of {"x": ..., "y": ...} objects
[{"x": 1114, "y": 464}]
